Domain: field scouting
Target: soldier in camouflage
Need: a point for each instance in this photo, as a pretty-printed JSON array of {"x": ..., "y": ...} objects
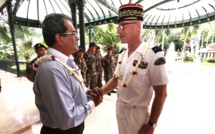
[
  {"x": 115, "y": 55},
  {"x": 108, "y": 63},
  {"x": 81, "y": 63},
  {"x": 99, "y": 69},
  {"x": 90, "y": 58},
  {"x": 40, "y": 50}
]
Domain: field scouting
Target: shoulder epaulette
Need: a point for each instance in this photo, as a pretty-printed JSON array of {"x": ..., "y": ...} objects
[{"x": 156, "y": 49}]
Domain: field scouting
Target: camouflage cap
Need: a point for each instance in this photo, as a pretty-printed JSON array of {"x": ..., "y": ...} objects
[{"x": 39, "y": 45}]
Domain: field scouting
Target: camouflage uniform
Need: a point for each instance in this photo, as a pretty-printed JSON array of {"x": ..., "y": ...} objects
[
  {"x": 83, "y": 66},
  {"x": 29, "y": 68},
  {"x": 108, "y": 63},
  {"x": 91, "y": 79},
  {"x": 115, "y": 55},
  {"x": 99, "y": 70},
  {"x": 30, "y": 73}
]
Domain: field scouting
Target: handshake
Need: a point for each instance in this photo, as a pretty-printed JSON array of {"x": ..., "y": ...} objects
[{"x": 96, "y": 95}]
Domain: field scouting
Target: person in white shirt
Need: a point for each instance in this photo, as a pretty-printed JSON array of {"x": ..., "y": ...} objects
[{"x": 140, "y": 71}]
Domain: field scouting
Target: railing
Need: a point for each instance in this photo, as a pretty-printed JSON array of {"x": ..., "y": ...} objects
[{"x": 10, "y": 66}]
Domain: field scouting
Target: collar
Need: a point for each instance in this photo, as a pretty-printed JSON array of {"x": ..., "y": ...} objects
[
  {"x": 140, "y": 47},
  {"x": 58, "y": 54}
]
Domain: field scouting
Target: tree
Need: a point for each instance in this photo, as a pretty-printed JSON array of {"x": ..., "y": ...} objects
[
  {"x": 24, "y": 37},
  {"x": 188, "y": 33},
  {"x": 107, "y": 36},
  {"x": 6, "y": 50}
]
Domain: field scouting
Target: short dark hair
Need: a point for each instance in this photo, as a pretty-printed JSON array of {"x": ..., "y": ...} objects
[
  {"x": 53, "y": 24},
  {"x": 97, "y": 47},
  {"x": 109, "y": 48},
  {"x": 92, "y": 44},
  {"x": 81, "y": 49}
]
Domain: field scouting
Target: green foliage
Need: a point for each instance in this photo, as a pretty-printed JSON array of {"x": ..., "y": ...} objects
[
  {"x": 107, "y": 36},
  {"x": 188, "y": 58},
  {"x": 6, "y": 52},
  {"x": 26, "y": 50},
  {"x": 24, "y": 37},
  {"x": 211, "y": 60},
  {"x": 4, "y": 33}
]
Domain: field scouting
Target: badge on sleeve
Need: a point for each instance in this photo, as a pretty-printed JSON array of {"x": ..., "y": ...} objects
[
  {"x": 160, "y": 61},
  {"x": 142, "y": 64},
  {"x": 156, "y": 49}
]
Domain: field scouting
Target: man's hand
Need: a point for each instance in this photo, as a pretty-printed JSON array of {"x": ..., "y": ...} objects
[
  {"x": 96, "y": 95},
  {"x": 146, "y": 129}
]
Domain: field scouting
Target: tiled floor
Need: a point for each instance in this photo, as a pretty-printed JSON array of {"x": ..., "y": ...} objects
[
  {"x": 189, "y": 107},
  {"x": 19, "y": 115}
]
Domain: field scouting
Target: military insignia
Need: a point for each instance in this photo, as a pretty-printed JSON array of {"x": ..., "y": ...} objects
[
  {"x": 160, "y": 61},
  {"x": 156, "y": 49},
  {"x": 142, "y": 65}
]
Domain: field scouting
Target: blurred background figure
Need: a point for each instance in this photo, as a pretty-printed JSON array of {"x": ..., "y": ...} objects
[
  {"x": 108, "y": 64},
  {"x": 115, "y": 55},
  {"x": 99, "y": 69},
  {"x": 90, "y": 59},
  {"x": 81, "y": 63},
  {"x": 40, "y": 50}
]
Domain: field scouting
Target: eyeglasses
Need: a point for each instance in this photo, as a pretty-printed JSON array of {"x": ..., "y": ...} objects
[
  {"x": 121, "y": 26},
  {"x": 70, "y": 33}
]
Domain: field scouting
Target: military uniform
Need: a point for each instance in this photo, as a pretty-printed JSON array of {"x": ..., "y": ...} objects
[
  {"x": 30, "y": 70},
  {"x": 99, "y": 70},
  {"x": 91, "y": 79},
  {"x": 151, "y": 72},
  {"x": 83, "y": 66},
  {"x": 108, "y": 64},
  {"x": 115, "y": 55}
]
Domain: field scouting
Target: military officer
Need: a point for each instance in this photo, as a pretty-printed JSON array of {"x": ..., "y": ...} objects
[
  {"x": 91, "y": 61},
  {"x": 40, "y": 50},
  {"x": 108, "y": 64},
  {"x": 99, "y": 69},
  {"x": 81, "y": 63}
]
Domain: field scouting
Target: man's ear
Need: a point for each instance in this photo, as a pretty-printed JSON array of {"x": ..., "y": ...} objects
[
  {"x": 138, "y": 26},
  {"x": 58, "y": 39}
]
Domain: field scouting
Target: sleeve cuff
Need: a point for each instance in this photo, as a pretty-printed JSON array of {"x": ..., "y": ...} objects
[
  {"x": 86, "y": 89},
  {"x": 91, "y": 104}
]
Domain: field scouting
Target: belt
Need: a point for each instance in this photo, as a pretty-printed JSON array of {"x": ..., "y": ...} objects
[{"x": 126, "y": 105}]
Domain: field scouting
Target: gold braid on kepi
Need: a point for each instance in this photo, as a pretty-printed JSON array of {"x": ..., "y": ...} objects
[{"x": 130, "y": 12}]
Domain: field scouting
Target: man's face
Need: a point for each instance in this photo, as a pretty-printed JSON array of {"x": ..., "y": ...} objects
[
  {"x": 109, "y": 52},
  {"x": 98, "y": 51},
  {"x": 93, "y": 49},
  {"x": 80, "y": 54},
  {"x": 40, "y": 51},
  {"x": 70, "y": 41},
  {"x": 126, "y": 31}
]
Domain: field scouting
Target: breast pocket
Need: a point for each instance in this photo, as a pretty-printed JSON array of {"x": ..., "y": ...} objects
[
  {"x": 142, "y": 72},
  {"x": 141, "y": 78},
  {"x": 142, "y": 65}
]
